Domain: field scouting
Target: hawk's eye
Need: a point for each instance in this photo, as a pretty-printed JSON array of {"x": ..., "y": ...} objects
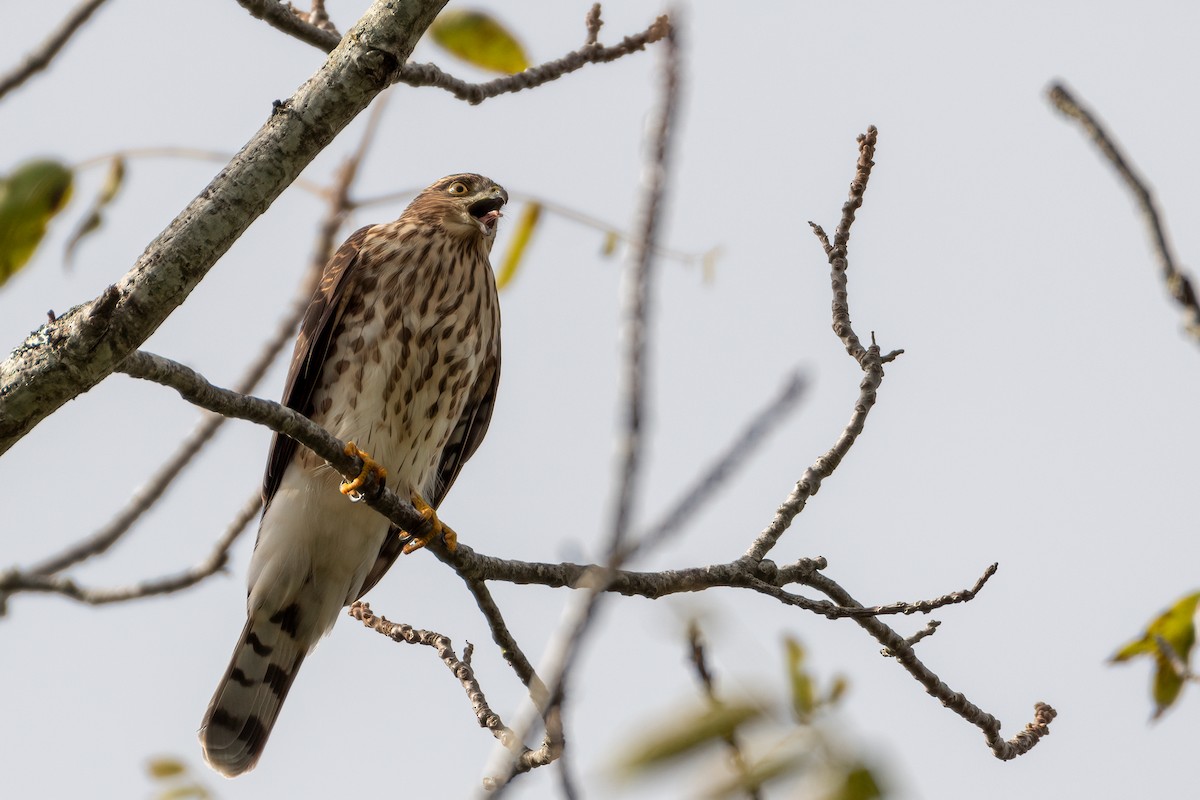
[{"x": 458, "y": 187}]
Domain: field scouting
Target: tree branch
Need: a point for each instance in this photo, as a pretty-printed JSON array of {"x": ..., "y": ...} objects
[
  {"x": 40, "y": 58},
  {"x": 1179, "y": 285},
  {"x": 284, "y": 17},
  {"x": 70, "y": 355},
  {"x": 591, "y": 53},
  {"x": 13, "y": 581},
  {"x": 869, "y": 359}
]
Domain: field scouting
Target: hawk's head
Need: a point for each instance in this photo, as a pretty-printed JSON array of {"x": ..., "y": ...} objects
[{"x": 463, "y": 205}]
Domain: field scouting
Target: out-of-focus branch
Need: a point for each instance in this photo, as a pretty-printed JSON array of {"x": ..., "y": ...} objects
[
  {"x": 591, "y": 53},
  {"x": 40, "y": 58},
  {"x": 14, "y": 581},
  {"x": 1179, "y": 284},
  {"x": 563, "y": 650},
  {"x": 699, "y": 659},
  {"x": 868, "y": 358}
]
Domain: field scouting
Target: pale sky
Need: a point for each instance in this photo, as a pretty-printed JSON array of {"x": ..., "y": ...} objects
[{"x": 1044, "y": 415}]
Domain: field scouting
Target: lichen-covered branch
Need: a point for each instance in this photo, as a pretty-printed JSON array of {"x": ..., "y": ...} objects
[{"x": 68, "y": 356}]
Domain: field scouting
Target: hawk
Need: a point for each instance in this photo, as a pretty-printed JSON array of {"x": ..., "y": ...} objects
[{"x": 399, "y": 352}]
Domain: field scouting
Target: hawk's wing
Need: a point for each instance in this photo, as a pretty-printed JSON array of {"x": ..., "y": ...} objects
[
  {"x": 464, "y": 441},
  {"x": 312, "y": 346}
]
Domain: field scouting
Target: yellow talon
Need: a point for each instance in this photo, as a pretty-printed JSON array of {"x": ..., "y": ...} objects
[
  {"x": 436, "y": 528},
  {"x": 370, "y": 467}
]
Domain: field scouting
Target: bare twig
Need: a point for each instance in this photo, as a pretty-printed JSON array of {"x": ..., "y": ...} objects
[
  {"x": 903, "y": 652},
  {"x": 14, "y": 581},
  {"x": 320, "y": 18},
  {"x": 460, "y": 668},
  {"x": 284, "y": 17},
  {"x": 590, "y": 53},
  {"x": 1179, "y": 284},
  {"x": 869, "y": 359},
  {"x": 40, "y": 58},
  {"x": 929, "y": 630},
  {"x": 696, "y": 652}
]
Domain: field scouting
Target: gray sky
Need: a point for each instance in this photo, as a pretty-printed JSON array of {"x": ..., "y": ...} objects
[{"x": 1044, "y": 415}]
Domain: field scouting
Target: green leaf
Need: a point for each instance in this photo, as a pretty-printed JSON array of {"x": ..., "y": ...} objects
[
  {"x": 29, "y": 198},
  {"x": 165, "y": 767},
  {"x": 688, "y": 733},
  {"x": 858, "y": 784},
  {"x": 803, "y": 694},
  {"x": 480, "y": 40},
  {"x": 92, "y": 220},
  {"x": 530, "y": 215},
  {"x": 1175, "y": 629},
  {"x": 759, "y": 774}
]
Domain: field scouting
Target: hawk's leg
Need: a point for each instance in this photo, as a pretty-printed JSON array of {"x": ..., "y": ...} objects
[
  {"x": 436, "y": 528},
  {"x": 370, "y": 467}
]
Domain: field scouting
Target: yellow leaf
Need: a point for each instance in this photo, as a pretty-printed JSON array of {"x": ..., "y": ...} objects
[
  {"x": 522, "y": 233},
  {"x": 610, "y": 243},
  {"x": 29, "y": 198},
  {"x": 480, "y": 40},
  {"x": 1175, "y": 629},
  {"x": 92, "y": 220},
  {"x": 688, "y": 733},
  {"x": 165, "y": 767}
]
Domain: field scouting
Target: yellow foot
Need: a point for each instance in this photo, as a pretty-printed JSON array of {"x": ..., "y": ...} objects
[
  {"x": 437, "y": 528},
  {"x": 370, "y": 467}
]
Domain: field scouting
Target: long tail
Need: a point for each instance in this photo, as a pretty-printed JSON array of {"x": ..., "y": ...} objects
[{"x": 247, "y": 701}]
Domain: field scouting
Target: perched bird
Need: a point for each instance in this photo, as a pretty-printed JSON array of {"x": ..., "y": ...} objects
[{"x": 399, "y": 352}]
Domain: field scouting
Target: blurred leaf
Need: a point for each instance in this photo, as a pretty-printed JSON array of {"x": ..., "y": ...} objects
[
  {"x": 610, "y": 243},
  {"x": 530, "y": 215},
  {"x": 193, "y": 790},
  {"x": 479, "y": 39},
  {"x": 758, "y": 774},
  {"x": 1176, "y": 628},
  {"x": 859, "y": 784},
  {"x": 92, "y": 221},
  {"x": 29, "y": 198},
  {"x": 165, "y": 767},
  {"x": 688, "y": 733},
  {"x": 803, "y": 699},
  {"x": 708, "y": 264},
  {"x": 838, "y": 690}
]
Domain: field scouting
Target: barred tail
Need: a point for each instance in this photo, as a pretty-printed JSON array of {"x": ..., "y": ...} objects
[{"x": 247, "y": 701}]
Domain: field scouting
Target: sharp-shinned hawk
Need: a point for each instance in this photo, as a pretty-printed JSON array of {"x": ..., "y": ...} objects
[{"x": 399, "y": 352}]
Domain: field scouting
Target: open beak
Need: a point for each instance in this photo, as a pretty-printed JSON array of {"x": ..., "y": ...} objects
[{"x": 487, "y": 211}]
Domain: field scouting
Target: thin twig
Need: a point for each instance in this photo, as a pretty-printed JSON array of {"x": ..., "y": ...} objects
[
  {"x": 869, "y": 359},
  {"x": 14, "y": 581},
  {"x": 1179, "y": 284},
  {"x": 460, "y": 668},
  {"x": 590, "y": 53},
  {"x": 896, "y": 644},
  {"x": 284, "y": 17},
  {"x": 929, "y": 630},
  {"x": 40, "y": 58}
]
